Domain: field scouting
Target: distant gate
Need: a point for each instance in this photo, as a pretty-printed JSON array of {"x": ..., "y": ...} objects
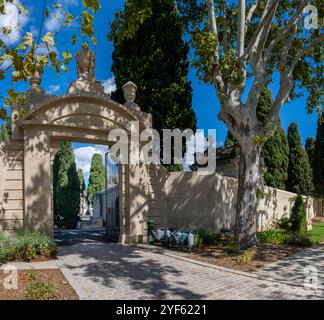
[{"x": 111, "y": 196}]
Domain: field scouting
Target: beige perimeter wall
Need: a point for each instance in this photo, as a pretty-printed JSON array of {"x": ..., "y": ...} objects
[
  {"x": 194, "y": 200},
  {"x": 172, "y": 199}
]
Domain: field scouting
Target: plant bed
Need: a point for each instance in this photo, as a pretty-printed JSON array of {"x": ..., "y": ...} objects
[
  {"x": 26, "y": 246},
  {"x": 228, "y": 257},
  {"x": 38, "y": 285}
]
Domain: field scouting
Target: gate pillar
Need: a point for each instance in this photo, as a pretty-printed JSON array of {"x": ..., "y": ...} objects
[{"x": 37, "y": 181}]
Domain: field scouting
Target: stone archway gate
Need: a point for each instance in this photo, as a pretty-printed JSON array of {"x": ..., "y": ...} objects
[{"x": 84, "y": 114}]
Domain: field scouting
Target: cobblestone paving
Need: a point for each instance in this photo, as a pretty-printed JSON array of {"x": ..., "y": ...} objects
[
  {"x": 113, "y": 271},
  {"x": 306, "y": 263}
]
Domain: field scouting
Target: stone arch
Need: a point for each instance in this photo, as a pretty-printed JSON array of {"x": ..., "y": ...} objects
[
  {"x": 81, "y": 118},
  {"x": 74, "y": 118},
  {"x": 84, "y": 114}
]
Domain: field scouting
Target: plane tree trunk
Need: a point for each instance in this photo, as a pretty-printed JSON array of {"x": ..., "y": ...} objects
[{"x": 246, "y": 209}]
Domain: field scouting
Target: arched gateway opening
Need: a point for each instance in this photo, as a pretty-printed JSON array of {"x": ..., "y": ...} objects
[{"x": 85, "y": 114}]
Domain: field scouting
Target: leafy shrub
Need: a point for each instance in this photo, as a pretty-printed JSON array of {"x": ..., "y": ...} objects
[
  {"x": 292, "y": 231},
  {"x": 39, "y": 290},
  {"x": 232, "y": 248},
  {"x": 206, "y": 236},
  {"x": 282, "y": 237},
  {"x": 284, "y": 223},
  {"x": 7, "y": 249},
  {"x": 245, "y": 258},
  {"x": 25, "y": 246},
  {"x": 272, "y": 236},
  {"x": 297, "y": 239},
  {"x": 298, "y": 218}
]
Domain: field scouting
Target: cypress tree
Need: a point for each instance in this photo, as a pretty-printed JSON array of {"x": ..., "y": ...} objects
[
  {"x": 5, "y": 130},
  {"x": 276, "y": 158},
  {"x": 66, "y": 187},
  {"x": 156, "y": 59},
  {"x": 310, "y": 148},
  {"x": 300, "y": 177},
  {"x": 264, "y": 105},
  {"x": 318, "y": 160},
  {"x": 298, "y": 218},
  {"x": 81, "y": 179},
  {"x": 97, "y": 176}
]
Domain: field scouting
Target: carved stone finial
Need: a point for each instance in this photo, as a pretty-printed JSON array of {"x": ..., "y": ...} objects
[
  {"x": 130, "y": 89},
  {"x": 35, "y": 82}
]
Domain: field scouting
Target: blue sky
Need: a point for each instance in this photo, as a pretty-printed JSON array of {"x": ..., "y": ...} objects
[{"x": 205, "y": 102}]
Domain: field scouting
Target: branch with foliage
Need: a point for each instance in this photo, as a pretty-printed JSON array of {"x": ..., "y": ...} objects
[{"x": 32, "y": 55}]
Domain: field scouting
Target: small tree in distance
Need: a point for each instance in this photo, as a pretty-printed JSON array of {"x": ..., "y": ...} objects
[
  {"x": 310, "y": 149},
  {"x": 300, "y": 176},
  {"x": 66, "y": 187},
  {"x": 81, "y": 179},
  {"x": 298, "y": 217},
  {"x": 97, "y": 176}
]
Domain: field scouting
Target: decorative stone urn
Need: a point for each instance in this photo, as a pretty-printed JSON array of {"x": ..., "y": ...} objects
[
  {"x": 129, "y": 90},
  {"x": 35, "y": 82}
]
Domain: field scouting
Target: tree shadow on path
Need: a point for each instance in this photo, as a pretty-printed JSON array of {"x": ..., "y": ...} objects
[{"x": 126, "y": 272}]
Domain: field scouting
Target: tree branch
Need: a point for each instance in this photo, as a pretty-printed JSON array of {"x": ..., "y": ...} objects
[
  {"x": 241, "y": 27},
  {"x": 287, "y": 30},
  {"x": 267, "y": 16},
  {"x": 213, "y": 23},
  {"x": 262, "y": 38},
  {"x": 224, "y": 26},
  {"x": 259, "y": 83},
  {"x": 250, "y": 13},
  {"x": 286, "y": 85}
]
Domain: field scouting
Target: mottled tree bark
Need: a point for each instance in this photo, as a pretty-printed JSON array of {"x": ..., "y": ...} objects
[{"x": 246, "y": 210}]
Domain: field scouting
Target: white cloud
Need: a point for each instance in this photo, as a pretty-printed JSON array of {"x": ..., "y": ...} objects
[
  {"x": 14, "y": 21},
  {"x": 55, "y": 21},
  {"x": 109, "y": 85},
  {"x": 84, "y": 155},
  {"x": 34, "y": 30},
  {"x": 53, "y": 88}
]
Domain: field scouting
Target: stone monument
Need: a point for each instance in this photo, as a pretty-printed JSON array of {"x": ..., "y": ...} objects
[{"x": 86, "y": 82}]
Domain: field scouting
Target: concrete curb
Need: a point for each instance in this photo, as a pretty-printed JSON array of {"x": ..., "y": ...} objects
[
  {"x": 73, "y": 282},
  {"x": 165, "y": 252},
  {"x": 43, "y": 265}
]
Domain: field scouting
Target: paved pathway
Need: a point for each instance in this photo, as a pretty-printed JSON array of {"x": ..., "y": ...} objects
[
  {"x": 70, "y": 237},
  {"x": 298, "y": 267},
  {"x": 113, "y": 271}
]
